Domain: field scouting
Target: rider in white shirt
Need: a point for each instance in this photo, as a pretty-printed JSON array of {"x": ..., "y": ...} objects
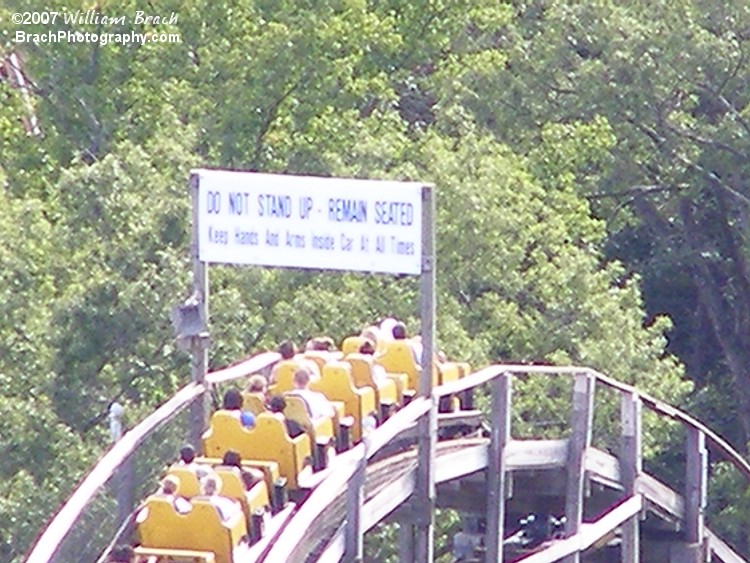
[
  {"x": 317, "y": 403},
  {"x": 225, "y": 506}
]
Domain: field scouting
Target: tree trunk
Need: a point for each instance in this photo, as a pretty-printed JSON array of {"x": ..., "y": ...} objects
[{"x": 727, "y": 317}]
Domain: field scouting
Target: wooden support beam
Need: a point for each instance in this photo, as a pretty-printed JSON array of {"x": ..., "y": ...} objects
[
  {"x": 717, "y": 547},
  {"x": 631, "y": 465},
  {"x": 406, "y": 542},
  {"x": 355, "y": 493},
  {"x": 425, "y": 486},
  {"x": 695, "y": 485},
  {"x": 578, "y": 443},
  {"x": 499, "y": 438}
]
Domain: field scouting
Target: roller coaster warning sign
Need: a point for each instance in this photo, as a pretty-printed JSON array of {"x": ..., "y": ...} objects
[{"x": 309, "y": 222}]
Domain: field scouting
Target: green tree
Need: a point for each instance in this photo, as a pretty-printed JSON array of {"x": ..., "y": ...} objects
[
  {"x": 668, "y": 81},
  {"x": 530, "y": 119}
]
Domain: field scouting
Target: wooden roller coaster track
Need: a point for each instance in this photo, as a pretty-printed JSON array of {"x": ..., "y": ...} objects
[{"x": 379, "y": 476}]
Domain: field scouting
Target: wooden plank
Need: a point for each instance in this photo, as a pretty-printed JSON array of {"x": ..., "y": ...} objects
[
  {"x": 660, "y": 496},
  {"x": 523, "y": 455},
  {"x": 496, "y": 467},
  {"x": 461, "y": 462},
  {"x": 721, "y": 550},
  {"x": 603, "y": 467},
  {"x": 388, "y": 499},
  {"x": 589, "y": 533},
  {"x": 469, "y": 382},
  {"x": 578, "y": 443},
  {"x": 335, "y": 550},
  {"x": 375, "y": 510}
]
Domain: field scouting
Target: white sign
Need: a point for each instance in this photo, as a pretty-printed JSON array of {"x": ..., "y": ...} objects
[{"x": 309, "y": 222}]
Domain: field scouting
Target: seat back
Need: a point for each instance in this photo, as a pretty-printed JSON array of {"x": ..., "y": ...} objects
[
  {"x": 283, "y": 375},
  {"x": 361, "y": 366},
  {"x": 298, "y": 410},
  {"x": 270, "y": 469},
  {"x": 225, "y": 432},
  {"x": 234, "y": 487},
  {"x": 351, "y": 344},
  {"x": 450, "y": 371},
  {"x": 337, "y": 385},
  {"x": 253, "y": 402},
  {"x": 398, "y": 357},
  {"x": 320, "y": 357},
  {"x": 268, "y": 440},
  {"x": 160, "y": 526},
  {"x": 363, "y": 375},
  {"x": 189, "y": 485}
]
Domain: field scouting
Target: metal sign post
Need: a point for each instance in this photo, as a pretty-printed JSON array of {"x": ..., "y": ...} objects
[
  {"x": 425, "y": 491},
  {"x": 321, "y": 223},
  {"x": 198, "y": 342}
]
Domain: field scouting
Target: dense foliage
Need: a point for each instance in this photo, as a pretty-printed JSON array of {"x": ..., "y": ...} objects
[{"x": 582, "y": 155}]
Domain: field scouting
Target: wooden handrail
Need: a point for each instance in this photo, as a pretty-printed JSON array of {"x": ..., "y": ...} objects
[
  {"x": 47, "y": 542},
  {"x": 246, "y": 367},
  {"x": 491, "y": 372},
  {"x": 344, "y": 467},
  {"x": 59, "y": 527},
  {"x": 392, "y": 427},
  {"x": 660, "y": 407}
]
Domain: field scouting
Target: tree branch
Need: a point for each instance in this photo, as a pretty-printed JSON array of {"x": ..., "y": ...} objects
[{"x": 270, "y": 117}]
